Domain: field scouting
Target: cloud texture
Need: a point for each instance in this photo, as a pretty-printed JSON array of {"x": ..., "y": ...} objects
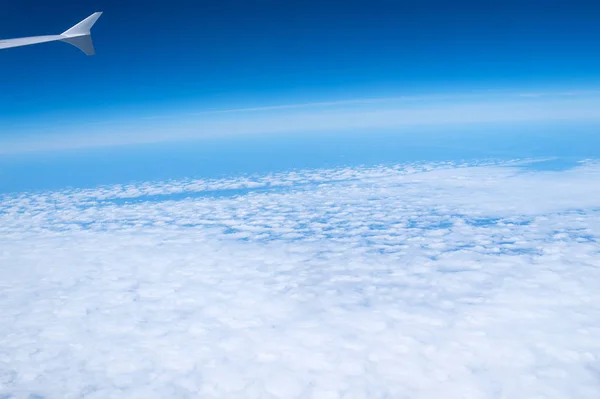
[{"x": 408, "y": 281}]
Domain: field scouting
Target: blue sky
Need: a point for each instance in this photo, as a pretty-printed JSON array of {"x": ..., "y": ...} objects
[
  {"x": 228, "y": 54},
  {"x": 307, "y": 69}
]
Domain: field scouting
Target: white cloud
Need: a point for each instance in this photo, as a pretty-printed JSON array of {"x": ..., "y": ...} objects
[{"x": 421, "y": 281}]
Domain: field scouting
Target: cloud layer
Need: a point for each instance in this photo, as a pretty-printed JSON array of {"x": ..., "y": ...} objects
[{"x": 421, "y": 281}]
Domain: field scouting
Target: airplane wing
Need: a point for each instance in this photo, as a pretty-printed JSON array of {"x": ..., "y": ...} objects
[{"x": 78, "y": 36}]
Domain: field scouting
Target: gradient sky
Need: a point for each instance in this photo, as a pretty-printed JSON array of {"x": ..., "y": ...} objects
[
  {"x": 247, "y": 53},
  {"x": 162, "y": 69}
]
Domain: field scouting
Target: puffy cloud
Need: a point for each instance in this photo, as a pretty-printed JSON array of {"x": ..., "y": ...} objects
[{"x": 421, "y": 281}]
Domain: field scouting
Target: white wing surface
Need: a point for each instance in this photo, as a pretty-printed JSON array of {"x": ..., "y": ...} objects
[{"x": 78, "y": 36}]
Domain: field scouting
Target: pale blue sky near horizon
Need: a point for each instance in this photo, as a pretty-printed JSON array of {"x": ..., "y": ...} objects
[{"x": 562, "y": 143}]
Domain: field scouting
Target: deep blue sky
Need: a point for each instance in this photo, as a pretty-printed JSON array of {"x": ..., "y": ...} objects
[{"x": 238, "y": 53}]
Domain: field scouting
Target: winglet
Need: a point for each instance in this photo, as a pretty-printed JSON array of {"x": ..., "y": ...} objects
[
  {"x": 80, "y": 35},
  {"x": 83, "y": 28}
]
